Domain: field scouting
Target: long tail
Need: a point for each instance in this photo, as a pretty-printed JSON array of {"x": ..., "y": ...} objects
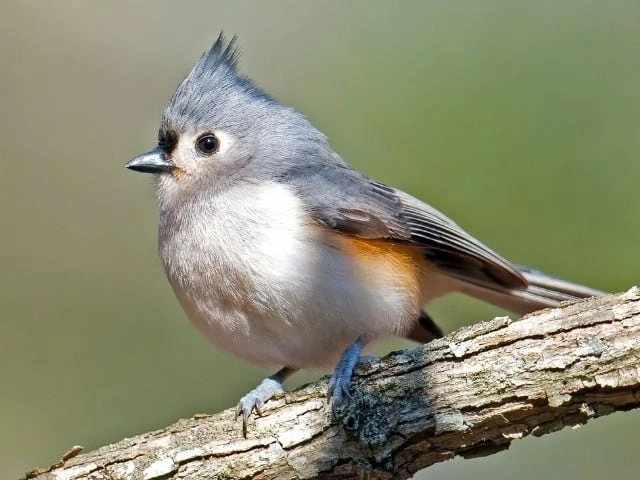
[{"x": 543, "y": 291}]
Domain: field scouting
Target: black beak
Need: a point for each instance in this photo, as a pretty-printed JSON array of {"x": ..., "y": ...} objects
[{"x": 154, "y": 161}]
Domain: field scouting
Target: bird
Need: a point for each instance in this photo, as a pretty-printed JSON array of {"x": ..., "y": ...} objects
[{"x": 282, "y": 254}]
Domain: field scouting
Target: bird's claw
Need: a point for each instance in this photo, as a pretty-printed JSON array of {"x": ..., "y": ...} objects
[
  {"x": 338, "y": 388},
  {"x": 255, "y": 400},
  {"x": 337, "y": 391},
  {"x": 246, "y": 406}
]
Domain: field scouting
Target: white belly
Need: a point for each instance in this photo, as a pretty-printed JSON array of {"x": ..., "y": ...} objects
[{"x": 259, "y": 279}]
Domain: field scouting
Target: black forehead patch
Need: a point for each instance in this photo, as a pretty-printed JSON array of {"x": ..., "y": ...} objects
[{"x": 167, "y": 139}]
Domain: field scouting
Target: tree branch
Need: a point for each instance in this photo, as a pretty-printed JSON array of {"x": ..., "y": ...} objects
[{"x": 470, "y": 394}]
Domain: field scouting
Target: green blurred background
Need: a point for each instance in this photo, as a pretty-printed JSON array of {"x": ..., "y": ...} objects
[{"x": 518, "y": 119}]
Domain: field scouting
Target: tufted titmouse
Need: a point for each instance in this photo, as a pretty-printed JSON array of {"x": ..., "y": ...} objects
[{"x": 282, "y": 254}]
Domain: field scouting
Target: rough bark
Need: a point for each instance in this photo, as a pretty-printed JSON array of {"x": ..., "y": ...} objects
[{"x": 470, "y": 394}]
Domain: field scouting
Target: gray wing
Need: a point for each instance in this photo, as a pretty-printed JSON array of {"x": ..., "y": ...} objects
[{"x": 342, "y": 199}]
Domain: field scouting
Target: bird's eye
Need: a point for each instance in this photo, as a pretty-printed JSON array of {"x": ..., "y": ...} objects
[{"x": 207, "y": 144}]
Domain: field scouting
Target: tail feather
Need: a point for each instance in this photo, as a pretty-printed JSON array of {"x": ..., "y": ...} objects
[
  {"x": 543, "y": 291},
  {"x": 568, "y": 290}
]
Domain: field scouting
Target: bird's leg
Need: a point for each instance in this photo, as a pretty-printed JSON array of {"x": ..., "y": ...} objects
[
  {"x": 341, "y": 378},
  {"x": 255, "y": 399}
]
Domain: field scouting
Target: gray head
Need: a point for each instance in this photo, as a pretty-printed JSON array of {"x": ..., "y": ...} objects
[{"x": 219, "y": 129}]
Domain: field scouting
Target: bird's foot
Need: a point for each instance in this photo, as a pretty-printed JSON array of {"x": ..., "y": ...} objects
[
  {"x": 256, "y": 398},
  {"x": 341, "y": 379}
]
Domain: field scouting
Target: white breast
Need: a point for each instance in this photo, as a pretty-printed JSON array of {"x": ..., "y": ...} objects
[{"x": 259, "y": 279}]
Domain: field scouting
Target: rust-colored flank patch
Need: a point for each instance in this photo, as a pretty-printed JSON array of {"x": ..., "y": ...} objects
[{"x": 375, "y": 259}]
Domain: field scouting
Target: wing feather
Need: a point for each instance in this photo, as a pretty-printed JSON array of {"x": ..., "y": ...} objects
[{"x": 342, "y": 199}]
